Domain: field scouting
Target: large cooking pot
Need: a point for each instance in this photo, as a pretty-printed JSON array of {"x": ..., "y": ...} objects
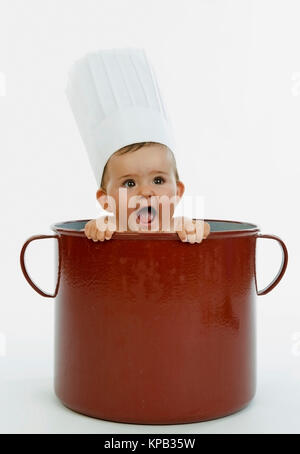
[{"x": 151, "y": 330}]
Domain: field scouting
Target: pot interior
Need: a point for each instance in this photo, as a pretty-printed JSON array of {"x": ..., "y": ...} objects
[{"x": 215, "y": 226}]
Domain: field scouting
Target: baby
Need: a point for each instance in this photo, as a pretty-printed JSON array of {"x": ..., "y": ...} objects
[{"x": 143, "y": 172}]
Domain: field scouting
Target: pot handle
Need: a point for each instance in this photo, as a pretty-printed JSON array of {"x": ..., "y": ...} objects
[
  {"x": 22, "y": 262},
  {"x": 282, "y": 269}
]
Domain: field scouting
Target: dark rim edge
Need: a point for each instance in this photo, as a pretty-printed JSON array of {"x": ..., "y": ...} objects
[{"x": 159, "y": 235}]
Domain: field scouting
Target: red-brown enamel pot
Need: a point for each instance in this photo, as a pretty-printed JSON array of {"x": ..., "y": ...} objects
[{"x": 152, "y": 330}]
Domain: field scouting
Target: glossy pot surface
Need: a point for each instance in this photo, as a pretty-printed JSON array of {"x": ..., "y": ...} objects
[{"x": 151, "y": 330}]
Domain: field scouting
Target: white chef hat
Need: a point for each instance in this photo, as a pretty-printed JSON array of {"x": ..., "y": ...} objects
[{"x": 116, "y": 101}]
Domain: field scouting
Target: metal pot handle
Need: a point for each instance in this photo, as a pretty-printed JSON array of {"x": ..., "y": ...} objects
[
  {"x": 22, "y": 262},
  {"x": 282, "y": 269}
]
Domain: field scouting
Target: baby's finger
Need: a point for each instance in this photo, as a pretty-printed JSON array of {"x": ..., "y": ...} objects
[
  {"x": 206, "y": 229},
  {"x": 111, "y": 225},
  {"x": 93, "y": 232},
  {"x": 199, "y": 230},
  {"x": 108, "y": 234},
  {"x": 100, "y": 235},
  {"x": 87, "y": 229},
  {"x": 101, "y": 223},
  {"x": 182, "y": 235},
  {"x": 188, "y": 225},
  {"x": 89, "y": 232},
  {"x": 191, "y": 238}
]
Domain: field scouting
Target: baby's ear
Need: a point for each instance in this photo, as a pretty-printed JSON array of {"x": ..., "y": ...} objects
[
  {"x": 99, "y": 193},
  {"x": 180, "y": 188},
  {"x": 105, "y": 201},
  {"x": 101, "y": 197}
]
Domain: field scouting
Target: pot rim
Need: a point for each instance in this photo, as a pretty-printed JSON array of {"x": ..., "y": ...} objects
[{"x": 246, "y": 231}]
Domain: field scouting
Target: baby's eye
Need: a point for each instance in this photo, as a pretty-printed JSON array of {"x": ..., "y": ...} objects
[
  {"x": 159, "y": 178},
  {"x": 128, "y": 181}
]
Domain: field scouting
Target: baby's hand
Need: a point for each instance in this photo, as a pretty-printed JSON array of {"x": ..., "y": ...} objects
[
  {"x": 94, "y": 233},
  {"x": 192, "y": 231}
]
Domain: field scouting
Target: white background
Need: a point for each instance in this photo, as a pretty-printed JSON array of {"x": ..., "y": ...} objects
[{"x": 230, "y": 75}]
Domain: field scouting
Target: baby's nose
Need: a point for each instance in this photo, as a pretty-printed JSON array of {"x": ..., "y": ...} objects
[{"x": 146, "y": 191}]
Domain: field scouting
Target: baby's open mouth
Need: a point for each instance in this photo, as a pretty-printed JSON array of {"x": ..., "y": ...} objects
[{"x": 146, "y": 215}]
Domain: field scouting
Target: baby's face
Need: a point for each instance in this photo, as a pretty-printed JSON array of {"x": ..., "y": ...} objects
[{"x": 141, "y": 174}]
